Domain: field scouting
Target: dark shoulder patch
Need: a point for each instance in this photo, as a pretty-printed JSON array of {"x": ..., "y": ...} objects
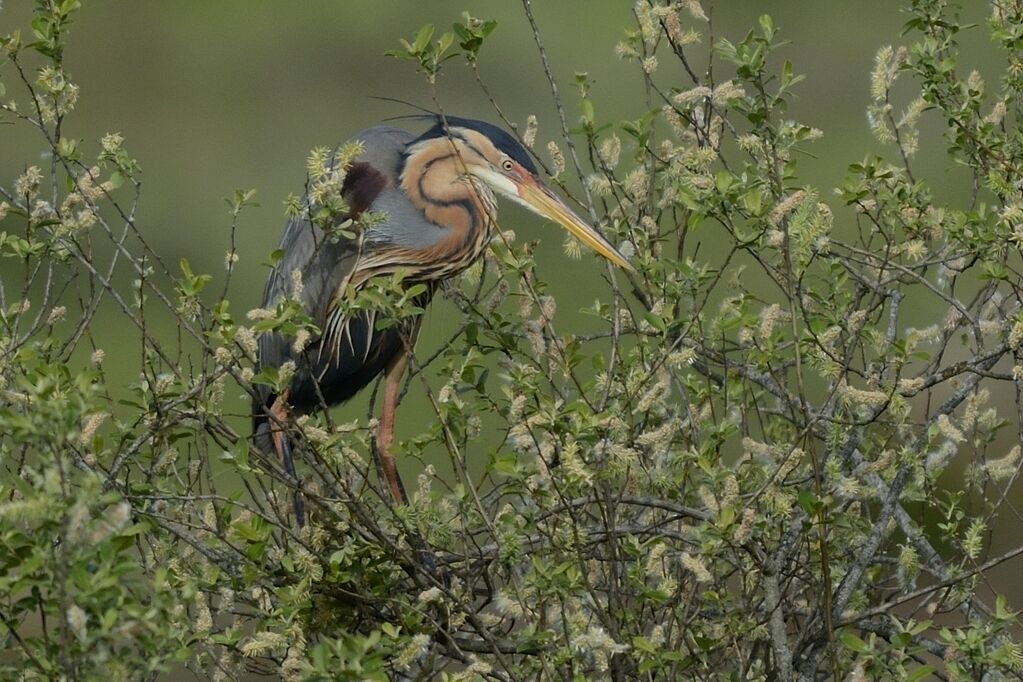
[{"x": 363, "y": 184}]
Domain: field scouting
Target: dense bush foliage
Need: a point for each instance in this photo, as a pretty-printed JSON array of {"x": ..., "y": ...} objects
[{"x": 777, "y": 450}]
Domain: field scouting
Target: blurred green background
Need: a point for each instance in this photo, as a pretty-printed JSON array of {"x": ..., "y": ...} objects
[{"x": 212, "y": 96}]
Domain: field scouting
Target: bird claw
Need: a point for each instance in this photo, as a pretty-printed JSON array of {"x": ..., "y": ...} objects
[{"x": 426, "y": 560}]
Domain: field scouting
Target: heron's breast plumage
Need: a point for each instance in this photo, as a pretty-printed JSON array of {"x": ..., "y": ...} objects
[{"x": 435, "y": 182}]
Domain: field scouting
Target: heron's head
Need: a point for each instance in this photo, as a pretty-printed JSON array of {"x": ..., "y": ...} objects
[{"x": 495, "y": 158}]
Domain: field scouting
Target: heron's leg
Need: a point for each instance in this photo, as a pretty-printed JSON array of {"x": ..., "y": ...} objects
[
  {"x": 385, "y": 459},
  {"x": 385, "y": 433},
  {"x": 278, "y": 422}
]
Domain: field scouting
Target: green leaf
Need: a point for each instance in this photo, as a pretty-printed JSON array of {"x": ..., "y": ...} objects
[
  {"x": 422, "y": 38},
  {"x": 920, "y": 673},
  {"x": 445, "y": 42},
  {"x": 656, "y": 321},
  {"x": 752, "y": 201},
  {"x": 809, "y": 501},
  {"x": 643, "y": 644},
  {"x": 723, "y": 181},
  {"x": 852, "y": 642},
  {"x": 506, "y": 464},
  {"x": 588, "y": 113},
  {"x": 67, "y": 147}
]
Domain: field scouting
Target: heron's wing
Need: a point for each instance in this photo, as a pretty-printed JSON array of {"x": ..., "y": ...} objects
[
  {"x": 303, "y": 245},
  {"x": 354, "y": 354}
]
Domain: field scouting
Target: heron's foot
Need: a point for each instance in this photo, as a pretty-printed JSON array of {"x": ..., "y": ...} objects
[
  {"x": 427, "y": 561},
  {"x": 298, "y": 505}
]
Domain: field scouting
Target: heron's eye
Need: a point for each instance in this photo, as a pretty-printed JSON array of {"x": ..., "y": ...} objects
[{"x": 507, "y": 164}]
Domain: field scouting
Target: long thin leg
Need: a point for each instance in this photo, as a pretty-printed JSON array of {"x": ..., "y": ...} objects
[
  {"x": 385, "y": 433},
  {"x": 385, "y": 439},
  {"x": 278, "y": 421},
  {"x": 385, "y": 459}
]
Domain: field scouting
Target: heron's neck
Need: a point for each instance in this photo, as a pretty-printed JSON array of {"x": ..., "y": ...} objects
[{"x": 435, "y": 181}]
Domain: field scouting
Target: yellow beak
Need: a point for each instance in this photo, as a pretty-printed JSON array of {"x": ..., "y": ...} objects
[
  {"x": 528, "y": 191},
  {"x": 547, "y": 204}
]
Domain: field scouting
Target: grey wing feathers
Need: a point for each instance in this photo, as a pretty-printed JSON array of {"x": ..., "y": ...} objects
[
  {"x": 323, "y": 264},
  {"x": 383, "y": 146}
]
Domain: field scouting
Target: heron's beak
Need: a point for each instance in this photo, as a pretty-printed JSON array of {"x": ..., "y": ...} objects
[
  {"x": 533, "y": 195},
  {"x": 549, "y": 205}
]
